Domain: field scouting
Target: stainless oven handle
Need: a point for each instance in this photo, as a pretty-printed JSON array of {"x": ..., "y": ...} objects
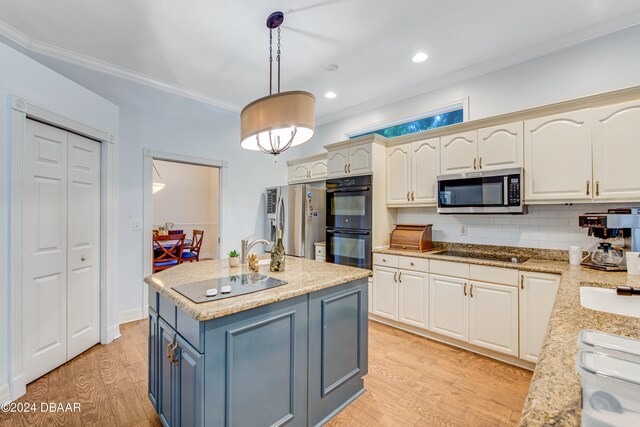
[
  {"x": 347, "y": 190},
  {"x": 505, "y": 192},
  {"x": 360, "y": 233}
]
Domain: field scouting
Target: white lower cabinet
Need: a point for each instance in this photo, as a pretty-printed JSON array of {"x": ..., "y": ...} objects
[
  {"x": 537, "y": 296},
  {"x": 493, "y": 317},
  {"x": 385, "y": 292},
  {"x": 449, "y": 307},
  {"x": 413, "y": 298}
]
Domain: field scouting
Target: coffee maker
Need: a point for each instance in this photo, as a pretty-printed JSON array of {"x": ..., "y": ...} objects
[{"x": 619, "y": 231}]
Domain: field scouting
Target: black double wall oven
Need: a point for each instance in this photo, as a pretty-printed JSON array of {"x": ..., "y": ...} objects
[{"x": 349, "y": 221}]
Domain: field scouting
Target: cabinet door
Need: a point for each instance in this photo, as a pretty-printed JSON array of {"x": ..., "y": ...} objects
[
  {"x": 152, "y": 357},
  {"x": 537, "y": 296},
  {"x": 190, "y": 385},
  {"x": 166, "y": 374},
  {"x": 459, "y": 152},
  {"x": 425, "y": 168},
  {"x": 493, "y": 317},
  {"x": 360, "y": 160},
  {"x": 318, "y": 169},
  {"x": 385, "y": 292},
  {"x": 298, "y": 173},
  {"x": 449, "y": 307},
  {"x": 337, "y": 161},
  {"x": 413, "y": 293},
  {"x": 616, "y": 150},
  {"x": 399, "y": 175},
  {"x": 500, "y": 147},
  {"x": 557, "y": 158}
]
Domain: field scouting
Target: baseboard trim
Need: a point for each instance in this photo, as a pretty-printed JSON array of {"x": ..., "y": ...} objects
[
  {"x": 5, "y": 395},
  {"x": 130, "y": 315},
  {"x": 341, "y": 407},
  {"x": 113, "y": 333},
  {"x": 17, "y": 387},
  {"x": 511, "y": 360}
]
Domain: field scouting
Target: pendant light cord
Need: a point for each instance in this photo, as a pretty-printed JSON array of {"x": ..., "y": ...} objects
[
  {"x": 270, "y": 61},
  {"x": 278, "y": 59}
]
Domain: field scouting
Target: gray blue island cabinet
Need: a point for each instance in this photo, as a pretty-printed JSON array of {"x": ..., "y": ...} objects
[{"x": 293, "y": 355}]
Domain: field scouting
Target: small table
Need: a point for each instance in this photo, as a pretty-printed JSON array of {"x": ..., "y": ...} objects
[{"x": 168, "y": 244}]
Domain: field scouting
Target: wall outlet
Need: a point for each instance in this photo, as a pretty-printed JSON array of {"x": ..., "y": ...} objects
[
  {"x": 463, "y": 230},
  {"x": 135, "y": 225}
]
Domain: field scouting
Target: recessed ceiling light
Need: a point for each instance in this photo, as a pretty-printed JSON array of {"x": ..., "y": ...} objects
[
  {"x": 330, "y": 95},
  {"x": 420, "y": 57}
]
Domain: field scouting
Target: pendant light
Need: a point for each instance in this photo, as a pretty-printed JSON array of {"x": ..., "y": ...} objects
[
  {"x": 157, "y": 183},
  {"x": 276, "y": 122}
]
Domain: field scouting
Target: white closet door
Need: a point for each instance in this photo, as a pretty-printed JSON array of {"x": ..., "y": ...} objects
[
  {"x": 44, "y": 249},
  {"x": 83, "y": 290}
]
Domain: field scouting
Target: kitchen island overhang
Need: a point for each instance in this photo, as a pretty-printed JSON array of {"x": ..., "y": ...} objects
[{"x": 295, "y": 354}]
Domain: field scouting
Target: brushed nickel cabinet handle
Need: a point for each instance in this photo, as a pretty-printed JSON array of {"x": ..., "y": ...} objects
[
  {"x": 475, "y": 162},
  {"x": 480, "y": 163},
  {"x": 413, "y": 196},
  {"x": 400, "y": 277},
  {"x": 408, "y": 196},
  {"x": 384, "y": 260},
  {"x": 597, "y": 188},
  {"x": 349, "y": 167},
  {"x": 412, "y": 264},
  {"x": 83, "y": 258},
  {"x": 169, "y": 354},
  {"x": 471, "y": 291},
  {"x": 395, "y": 276},
  {"x": 588, "y": 185},
  {"x": 345, "y": 168},
  {"x": 464, "y": 290},
  {"x": 522, "y": 282}
]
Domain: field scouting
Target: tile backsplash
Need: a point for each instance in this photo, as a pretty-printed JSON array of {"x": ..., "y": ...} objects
[{"x": 545, "y": 226}]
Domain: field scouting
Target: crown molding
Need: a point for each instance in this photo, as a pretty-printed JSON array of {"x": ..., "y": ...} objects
[
  {"x": 500, "y": 62},
  {"x": 81, "y": 60},
  {"x": 513, "y": 58}
]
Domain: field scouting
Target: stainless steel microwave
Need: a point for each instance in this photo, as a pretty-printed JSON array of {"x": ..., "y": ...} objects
[{"x": 482, "y": 192}]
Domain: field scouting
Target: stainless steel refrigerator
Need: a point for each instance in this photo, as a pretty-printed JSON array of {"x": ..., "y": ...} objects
[{"x": 299, "y": 211}]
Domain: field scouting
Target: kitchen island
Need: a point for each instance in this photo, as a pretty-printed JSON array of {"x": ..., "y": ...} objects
[{"x": 293, "y": 354}]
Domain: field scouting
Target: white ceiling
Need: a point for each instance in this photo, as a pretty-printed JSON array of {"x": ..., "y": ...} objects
[{"x": 217, "y": 50}]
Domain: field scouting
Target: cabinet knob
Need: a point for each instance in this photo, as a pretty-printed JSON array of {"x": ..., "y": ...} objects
[
  {"x": 411, "y": 264},
  {"x": 83, "y": 258}
]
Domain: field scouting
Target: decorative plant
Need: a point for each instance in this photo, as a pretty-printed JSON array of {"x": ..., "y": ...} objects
[{"x": 234, "y": 254}]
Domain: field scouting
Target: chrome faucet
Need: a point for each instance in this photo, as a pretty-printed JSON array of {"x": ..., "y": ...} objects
[{"x": 245, "y": 247}]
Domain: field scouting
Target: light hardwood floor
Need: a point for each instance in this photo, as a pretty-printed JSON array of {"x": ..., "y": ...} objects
[{"x": 412, "y": 381}]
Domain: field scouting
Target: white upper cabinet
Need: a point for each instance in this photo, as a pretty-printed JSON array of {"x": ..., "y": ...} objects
[
  {"x": 425, "y": 168},
  {"x": 307, "y": 169},
  {"x": 459, "y": 152},
  {"x": 616, "y": 151},
  {"x": 318, "y": 169},
  {"x": 399, "y": 175},
  {"x": 354, "y": 160},
  {"x": 500, "y": 147},
  {"x": 557, "y": 158},
  {"x": 412, "y": 170}
]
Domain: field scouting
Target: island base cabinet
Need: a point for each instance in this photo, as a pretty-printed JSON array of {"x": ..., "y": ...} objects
[
  {"x": 256, "y": 366},
  {"x": 180, "y": 380},
  {"x": 152, "y": 357},
  {"x": 338, "y": 357}
]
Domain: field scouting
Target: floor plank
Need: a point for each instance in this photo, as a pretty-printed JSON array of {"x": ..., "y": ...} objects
[{"x": 412, "y": 381}]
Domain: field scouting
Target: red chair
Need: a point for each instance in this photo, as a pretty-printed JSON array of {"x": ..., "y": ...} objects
[
  {"x": 167, "y": 255},
  {"x": 193, "y": 254}
]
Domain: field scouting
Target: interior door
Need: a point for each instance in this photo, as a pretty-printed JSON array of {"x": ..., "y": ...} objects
[
  {"x": 83, "y": 270},
  {"x": 44, "y": 249}
]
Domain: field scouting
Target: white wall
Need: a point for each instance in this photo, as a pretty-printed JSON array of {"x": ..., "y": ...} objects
[
  {"x": 600, "y": 65},
  {"x": 168, "y": 123},
  {"x": 190, "y": 200},
  {"x": 40, "y": 86}
]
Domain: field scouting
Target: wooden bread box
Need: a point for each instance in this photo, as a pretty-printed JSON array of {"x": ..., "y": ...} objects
[{"x": 411, "y": 237}]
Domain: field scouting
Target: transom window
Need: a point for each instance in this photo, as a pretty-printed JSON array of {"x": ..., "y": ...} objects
[{"x": 418, "y": 125}]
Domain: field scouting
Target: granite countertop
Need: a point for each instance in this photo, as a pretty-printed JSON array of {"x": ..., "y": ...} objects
[
  {"x": 303, "y": 277},
  {"x": 554, "y": 394}
]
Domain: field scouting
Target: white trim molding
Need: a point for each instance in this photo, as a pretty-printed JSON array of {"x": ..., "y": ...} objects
[
  {"x": 149, "y": 155},
  {"x": 5, "y": 396},
  {"x": 21, "y": 110}
]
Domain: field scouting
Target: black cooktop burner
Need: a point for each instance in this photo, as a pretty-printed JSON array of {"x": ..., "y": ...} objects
[
  {"x": 227, "y": 287},
  {"x": 484, "y": 256}
]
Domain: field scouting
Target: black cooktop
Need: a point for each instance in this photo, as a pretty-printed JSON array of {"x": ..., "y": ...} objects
[
  {"x": 484, "y": 256},
  {"x": 227, "y": 287}
]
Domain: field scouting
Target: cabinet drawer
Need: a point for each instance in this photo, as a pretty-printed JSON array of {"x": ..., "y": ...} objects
[
  {"x": 386, "y": 260},
  {"x": 448, "y": 268},
  {"x": 416, "y": 264},
  {"x": 486, "y": 273}
]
